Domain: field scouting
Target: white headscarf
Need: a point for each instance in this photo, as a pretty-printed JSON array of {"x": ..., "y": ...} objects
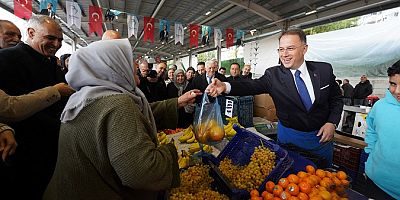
[
  {"x": 180, "y": 86},
  {"x": 99, "y": 70}
]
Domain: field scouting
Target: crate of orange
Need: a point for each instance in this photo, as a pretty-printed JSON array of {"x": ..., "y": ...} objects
[
  {"x": 240, "y": 150},
  {"x": 310, "y": 184}
]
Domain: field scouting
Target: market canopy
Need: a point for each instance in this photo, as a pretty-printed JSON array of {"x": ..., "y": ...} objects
[{"x": 253, "y": 18}]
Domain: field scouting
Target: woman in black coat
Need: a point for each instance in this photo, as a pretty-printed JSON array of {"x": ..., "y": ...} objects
[{"x": 176, "y": 89}]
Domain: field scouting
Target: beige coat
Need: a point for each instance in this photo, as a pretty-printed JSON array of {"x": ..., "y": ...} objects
[{"x": 16, "y": 108}]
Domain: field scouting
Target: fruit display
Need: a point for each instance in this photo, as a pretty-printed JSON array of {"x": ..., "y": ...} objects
[
  {"x": 188, "y": 135},
  {"x": 196, "y": 184},
  {"x": 311, "y": 184},
  {"x": 250, "y": 176},
  {"x": 209, "y": 132}
]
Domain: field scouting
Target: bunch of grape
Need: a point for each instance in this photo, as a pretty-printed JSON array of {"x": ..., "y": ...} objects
[
  {"x": 251, "y": 176},
  {"x": 195, "y": 184}
]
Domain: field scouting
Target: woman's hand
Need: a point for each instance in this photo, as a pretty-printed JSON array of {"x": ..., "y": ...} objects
[{"x": 188, "y": 97}]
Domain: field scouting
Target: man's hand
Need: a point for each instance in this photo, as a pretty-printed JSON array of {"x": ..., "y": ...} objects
[
  {"x": 7, "y": 143},
  {"x": 327, "y": 131},
  {"x": 188, "y": 97},
  {"x": 215, "y": 88},
  {"x": 64, "y": 89}
]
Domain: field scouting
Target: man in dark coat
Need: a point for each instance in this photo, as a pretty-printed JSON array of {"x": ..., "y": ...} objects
[
  {"x": 347, "y": 92},
  {"x": 308, "y": 101},
  {"x": 25, "y": 68},
  {"x": 235, "y": 73},
  {"x": 201, "y": 81},
  {"x": 362, "y": 90}
]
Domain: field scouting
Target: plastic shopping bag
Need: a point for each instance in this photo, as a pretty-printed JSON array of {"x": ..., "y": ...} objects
[{"x": 208, "y": 126}]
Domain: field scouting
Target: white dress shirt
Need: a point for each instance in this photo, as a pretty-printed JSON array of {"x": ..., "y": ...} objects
[{"x": 306, "y": 78}]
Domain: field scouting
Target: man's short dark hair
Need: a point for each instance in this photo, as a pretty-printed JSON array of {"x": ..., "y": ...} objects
[
  {"x": 394, "y": 69},
  {"x": 296, "y": 31},
  {"x": 223, "y": 68},
  {"x": 201, "y": 63},
  {"x": 235, "y": 63}
]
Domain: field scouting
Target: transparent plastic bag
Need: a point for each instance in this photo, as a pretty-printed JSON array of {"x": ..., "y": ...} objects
[{"x": 208, "y": 126}]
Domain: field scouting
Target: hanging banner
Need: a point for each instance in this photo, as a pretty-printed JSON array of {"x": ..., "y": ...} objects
[
  {"x": 164, "y": 30},
  {"x": 205, "y": 35},
  {"x": 229, "y": 37},
  {"x": 179, "y": 33},
  {"x": 95, "y": 20},
  {"x": 23, "y": 9},
  {"x": 239, "y": 37},
  {"x": 217, "y": 37},
  {"x": 194, "y": 35},
  {"x": 44, "y": 5},
  {"x": 74, "y": 14},
  {"x": 133, "y": 25},
  {"x": 148, "y": 29}
]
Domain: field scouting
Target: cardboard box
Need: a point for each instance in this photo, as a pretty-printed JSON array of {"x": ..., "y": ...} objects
[{"x": 264, "y": 107}]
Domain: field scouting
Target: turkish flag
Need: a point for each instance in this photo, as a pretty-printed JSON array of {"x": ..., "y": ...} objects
[
  {"x": 95, "y": 20},
  {"x": 23, "y": 8},
  {"x": 148, "y": 29},
  {"x": 194, "y": 35},
  {"x": 229, "y": 37}
]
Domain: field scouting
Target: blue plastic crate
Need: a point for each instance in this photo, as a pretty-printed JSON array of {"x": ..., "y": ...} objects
[
  {"x": 363, "y": 159},
  {"x": 243, "y": 108},
  {"x": 240, "y": 149}
]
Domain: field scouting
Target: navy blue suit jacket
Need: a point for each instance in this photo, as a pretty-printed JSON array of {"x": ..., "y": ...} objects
[{"x": 279, "y": 83}]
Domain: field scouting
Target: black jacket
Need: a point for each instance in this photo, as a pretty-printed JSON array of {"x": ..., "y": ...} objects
[
  {"x": 347, "y": 90},
  {"x": 22, "y": 70},
  {"x": 362, "y": 90},
  {"x": 184, "y": 119},
  {"x": 279, "y": 83},
  {"x": 153, "y": 91}
]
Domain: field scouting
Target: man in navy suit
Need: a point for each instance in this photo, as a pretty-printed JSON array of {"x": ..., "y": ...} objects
[
  {"x": 308, "y": 101},
  {"x": 202, "y": 81}
]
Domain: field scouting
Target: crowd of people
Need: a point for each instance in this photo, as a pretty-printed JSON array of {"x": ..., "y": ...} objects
[{"x": 85, "y": 126}]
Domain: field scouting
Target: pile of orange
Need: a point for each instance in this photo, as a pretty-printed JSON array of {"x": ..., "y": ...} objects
[{"x": 313, "y": 184}]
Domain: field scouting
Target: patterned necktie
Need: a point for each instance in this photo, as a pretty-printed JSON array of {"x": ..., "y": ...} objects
[{"x": 302, "y": 89}]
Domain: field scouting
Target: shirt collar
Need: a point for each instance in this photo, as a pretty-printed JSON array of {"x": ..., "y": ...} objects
[{"x": 303, "y": 69}]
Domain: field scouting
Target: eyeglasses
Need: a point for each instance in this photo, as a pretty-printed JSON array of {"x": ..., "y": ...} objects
[{"x": 289, "y": 49}]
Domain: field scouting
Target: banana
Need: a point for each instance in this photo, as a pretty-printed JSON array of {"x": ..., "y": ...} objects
[
  {"x": 228, "y": 127},
  {"x": 231, "y": 133},
  {"x": 208, "y": 148},
  {"x": 164, "y": 141},
  {"x": 195, "y": 147},
  {"x": 191, "y": 140},
  {"x": 161, "y": 137},
  {"x": 186, "y": 135}
]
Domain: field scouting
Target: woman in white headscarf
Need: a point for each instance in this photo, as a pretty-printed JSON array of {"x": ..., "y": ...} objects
[
  {"x": 176, "y": 89},
  {"x": 108, "y": 147}
]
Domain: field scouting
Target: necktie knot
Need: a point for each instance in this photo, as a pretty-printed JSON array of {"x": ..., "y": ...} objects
[{"x": 297, "y": 73}]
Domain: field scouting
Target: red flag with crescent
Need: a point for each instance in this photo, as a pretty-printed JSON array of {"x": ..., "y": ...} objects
[
  {"x": 148, "y": 29},
  {"x": 194, "y": 35},
  {"x": 95, "y": 20},
  {"x": 23, "y": 8},
  {"x": 229, "y": 37}
]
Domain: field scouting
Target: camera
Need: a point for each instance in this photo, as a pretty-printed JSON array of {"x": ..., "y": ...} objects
[{"x": 152, "y": 74}]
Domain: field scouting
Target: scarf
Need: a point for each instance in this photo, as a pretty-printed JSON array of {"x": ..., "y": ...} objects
[{"x": 102, "y": 69}]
